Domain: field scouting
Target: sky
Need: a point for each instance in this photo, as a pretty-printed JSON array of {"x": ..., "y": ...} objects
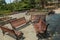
[{"x": 8, "y": 1}]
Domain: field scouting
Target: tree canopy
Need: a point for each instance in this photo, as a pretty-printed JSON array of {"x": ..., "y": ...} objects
[{"x": 21, "y": 5}]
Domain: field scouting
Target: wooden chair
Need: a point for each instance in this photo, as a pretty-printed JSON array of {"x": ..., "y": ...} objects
[{"x": 17, "y": 34}]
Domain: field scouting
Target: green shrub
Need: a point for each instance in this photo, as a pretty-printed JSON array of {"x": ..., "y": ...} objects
[{"x": 5, "y": 12}]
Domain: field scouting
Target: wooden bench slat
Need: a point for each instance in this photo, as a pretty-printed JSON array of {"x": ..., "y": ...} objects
[
  {"x": 18, "y": 22},
  {"x": 13, "y": 32}
]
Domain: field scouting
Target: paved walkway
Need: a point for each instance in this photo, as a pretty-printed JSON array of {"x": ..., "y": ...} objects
[
  {"x": 29, "y": 34},
  {"x": 57, "y": 11}
]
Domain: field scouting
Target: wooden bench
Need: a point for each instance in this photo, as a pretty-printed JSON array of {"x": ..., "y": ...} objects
[
  {"x": 17, "y": 34},
  {"x": 40, "y": 27},
  {"x": 18, "y": 22}
]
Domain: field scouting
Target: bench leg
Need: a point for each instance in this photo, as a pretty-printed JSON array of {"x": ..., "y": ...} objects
[
  {"x": 3, "y": 33},
  {"x": 20, "y": 37},
  {"x": 39, "y": 36},
  {"x": 17, "y": 38},
  {"x": 39, "y": 39}
]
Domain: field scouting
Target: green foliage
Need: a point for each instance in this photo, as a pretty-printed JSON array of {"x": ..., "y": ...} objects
[
  {"x": 2, "y": 4},
  {"x": 22, "y": 5},
  {"x": 15, "y": 6},
  {"x": 18, "y": 5}
]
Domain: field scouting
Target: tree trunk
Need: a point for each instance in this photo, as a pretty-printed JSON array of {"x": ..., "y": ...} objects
[{"x": 42, "y": 3}]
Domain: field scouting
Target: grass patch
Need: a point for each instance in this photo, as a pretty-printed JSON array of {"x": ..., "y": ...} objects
[{"x": 5, "y": 12}]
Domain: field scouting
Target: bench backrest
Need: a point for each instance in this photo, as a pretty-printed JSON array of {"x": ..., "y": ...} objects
[
  {"x": 40, "y": 26},
  {"x": 34, "y": 17},
  {"x": 7, "y": 30},
  {"x": 11, "y": 32},
  {"x": 17, "y": 22}
]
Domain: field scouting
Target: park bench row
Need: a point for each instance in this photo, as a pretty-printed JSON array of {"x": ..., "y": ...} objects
[{"x": 37, "y": 20}]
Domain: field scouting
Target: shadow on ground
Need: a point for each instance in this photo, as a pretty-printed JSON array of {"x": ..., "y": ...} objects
[
  {"x": 24, "y": 26},
  {"x": 54, "y": 27}
]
